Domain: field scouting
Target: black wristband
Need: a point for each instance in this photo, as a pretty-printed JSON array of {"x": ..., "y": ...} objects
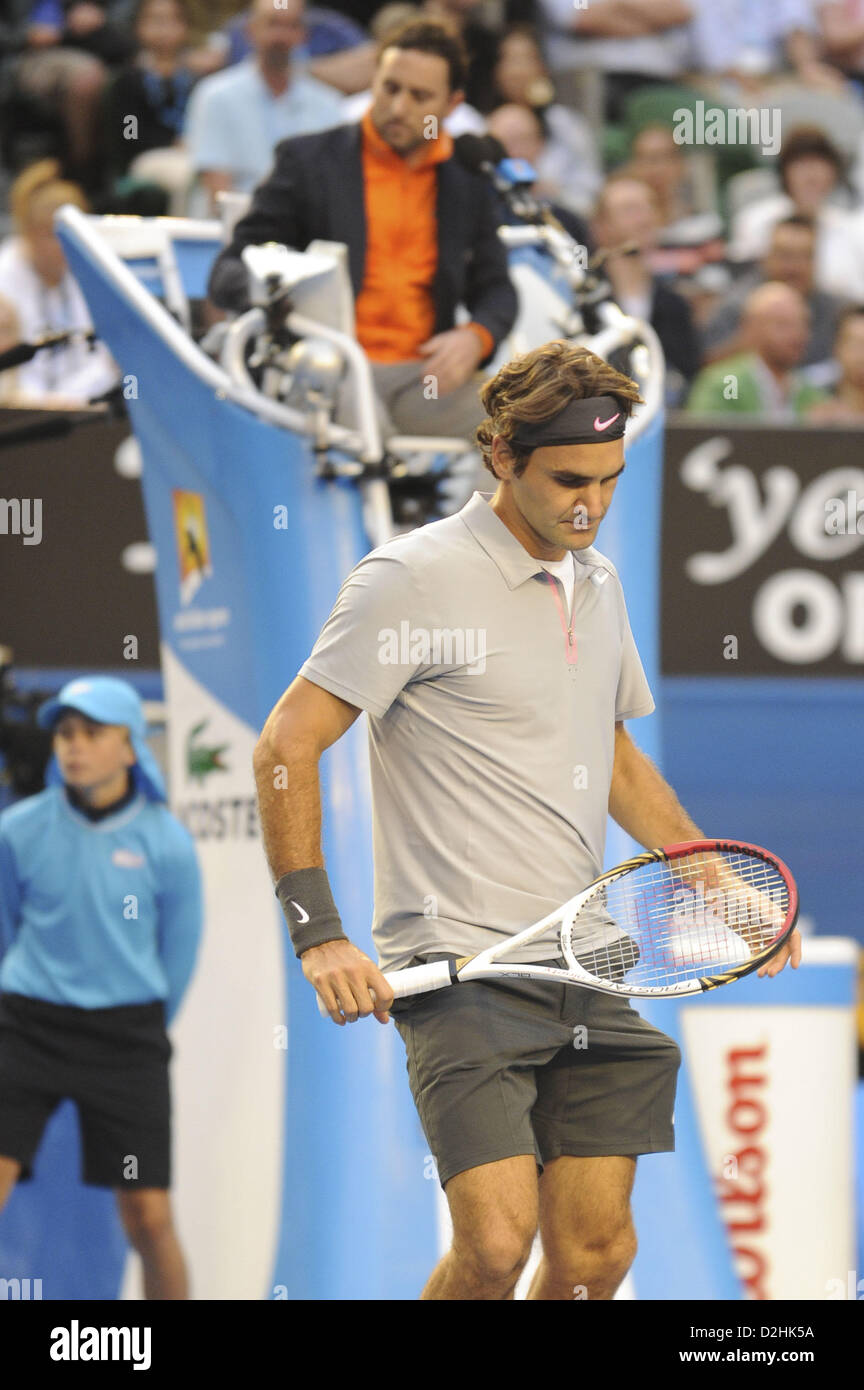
[{"x": 309, "y": 909}]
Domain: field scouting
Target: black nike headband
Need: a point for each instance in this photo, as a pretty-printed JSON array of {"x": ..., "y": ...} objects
[{"x": 591, "y": 420}]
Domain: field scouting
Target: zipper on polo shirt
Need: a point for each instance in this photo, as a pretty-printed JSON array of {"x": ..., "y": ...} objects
[{"x": 567, "y": 628}]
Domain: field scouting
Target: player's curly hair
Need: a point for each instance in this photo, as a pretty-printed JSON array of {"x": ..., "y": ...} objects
[{"x": 538, "y": 384}]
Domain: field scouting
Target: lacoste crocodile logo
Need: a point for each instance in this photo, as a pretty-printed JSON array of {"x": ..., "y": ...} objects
[{"x": 202, "y": 759}]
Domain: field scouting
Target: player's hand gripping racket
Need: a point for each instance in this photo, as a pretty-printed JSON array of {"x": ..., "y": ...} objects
[{"x": 676, "y": 920}]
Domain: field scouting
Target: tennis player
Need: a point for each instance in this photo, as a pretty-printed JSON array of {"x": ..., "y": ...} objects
[
  {"x": 493, "y": 656},
  {"x": 100, "y": 920}
]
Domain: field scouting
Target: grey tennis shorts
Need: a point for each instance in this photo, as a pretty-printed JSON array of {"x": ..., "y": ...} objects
[{"x": 501, "y": 1068}]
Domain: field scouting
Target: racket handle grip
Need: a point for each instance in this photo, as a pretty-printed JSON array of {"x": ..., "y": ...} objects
[{"x": 417, "y": 979}]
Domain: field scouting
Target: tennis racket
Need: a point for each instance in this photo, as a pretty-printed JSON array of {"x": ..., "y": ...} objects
[{"x": 678, "y": 920}]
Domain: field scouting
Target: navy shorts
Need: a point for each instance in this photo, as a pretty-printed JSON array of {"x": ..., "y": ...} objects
[{"x": 113, "y": 1063}]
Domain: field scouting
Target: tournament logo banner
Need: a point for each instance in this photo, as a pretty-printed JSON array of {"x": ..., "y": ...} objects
[{"x": 193, "y": 542}]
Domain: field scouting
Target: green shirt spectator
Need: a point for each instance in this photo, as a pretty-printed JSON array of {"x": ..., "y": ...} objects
[
  {"x": 764, "y": 381},
  {"x": 744, "y": 385}
]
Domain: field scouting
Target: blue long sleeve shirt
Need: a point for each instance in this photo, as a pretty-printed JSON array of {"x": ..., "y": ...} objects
[{"x": 97, "y": 914}]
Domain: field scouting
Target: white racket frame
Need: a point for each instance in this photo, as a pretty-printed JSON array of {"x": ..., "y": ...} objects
[{"x": 422, "y": 979}]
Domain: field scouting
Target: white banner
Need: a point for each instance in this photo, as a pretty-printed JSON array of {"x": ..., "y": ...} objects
[
  {"x": 774, "y": 1089},
  {"x": 228, "y": 1070}
]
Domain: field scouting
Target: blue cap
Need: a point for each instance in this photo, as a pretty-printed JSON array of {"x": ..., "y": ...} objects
[{"x": 109, "y": 701}]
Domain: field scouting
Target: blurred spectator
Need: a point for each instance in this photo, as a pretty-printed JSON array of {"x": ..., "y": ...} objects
[
  {"x": 812, "y": 175},
  {"x": 569, "y": 162},
  {"x": 363, "y": 12},
  {"x": 206, "y": 53},
  {"x": 520, "y": 130},
  {"x": 690, "y": 235},
  {"x": 35, "y": 279},
  {"x": 627, "y": 216},
  {"x": 659, "y": 160},
  {"x": 236, "y": 118},
  {"x": 842, "y": 24},
  {"x": 390, "y": 16},
  {"x": 421, "y": 232},
  {"x": 14, "y": 22},
  {"x": 749, "y": 40},
  {"x": 146, "y": 102},
  {"x": 762, "y": 381},
  {"x": 10, "y": 336},
  {"x": 632, "y": 42},
  {"x": 481, "y": 44},
  {"x": 66, "y": 48},
  {"x": 335, "y": 49},
  {"x": 99, "y": 27},
  {"x": 205, "y": 16},
  {"x": 846, "y": 404},
  {"x": 789, "y": 260}
]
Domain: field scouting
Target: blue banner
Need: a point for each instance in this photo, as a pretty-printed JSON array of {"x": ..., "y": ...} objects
[{"x": 252, "y": 548}]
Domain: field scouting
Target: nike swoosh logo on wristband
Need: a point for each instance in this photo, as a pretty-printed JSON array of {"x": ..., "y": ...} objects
[
  {"x": 603, "y": 424},
  {"x": 302, "y": 914}
]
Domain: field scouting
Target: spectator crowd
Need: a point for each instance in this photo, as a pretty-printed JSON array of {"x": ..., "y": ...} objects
[{"x": 746, "y": 257}]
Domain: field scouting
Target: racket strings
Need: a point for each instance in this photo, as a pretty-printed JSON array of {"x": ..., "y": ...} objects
[{"x": 663, "y": 923}]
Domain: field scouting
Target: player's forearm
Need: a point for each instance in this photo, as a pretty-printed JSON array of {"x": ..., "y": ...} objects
[
  {"x": 643, "y": 803},
  {"x": 289, "y": 800},
  {"x": 289, "y": 805}
]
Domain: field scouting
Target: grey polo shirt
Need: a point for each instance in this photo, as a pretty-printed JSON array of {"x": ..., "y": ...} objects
[{"x": 491, "y": 732}]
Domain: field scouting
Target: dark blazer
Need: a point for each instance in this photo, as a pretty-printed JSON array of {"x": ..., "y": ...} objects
[
  {"x": 315, "y": 189},
  {"x": 672, "y": 321}
]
